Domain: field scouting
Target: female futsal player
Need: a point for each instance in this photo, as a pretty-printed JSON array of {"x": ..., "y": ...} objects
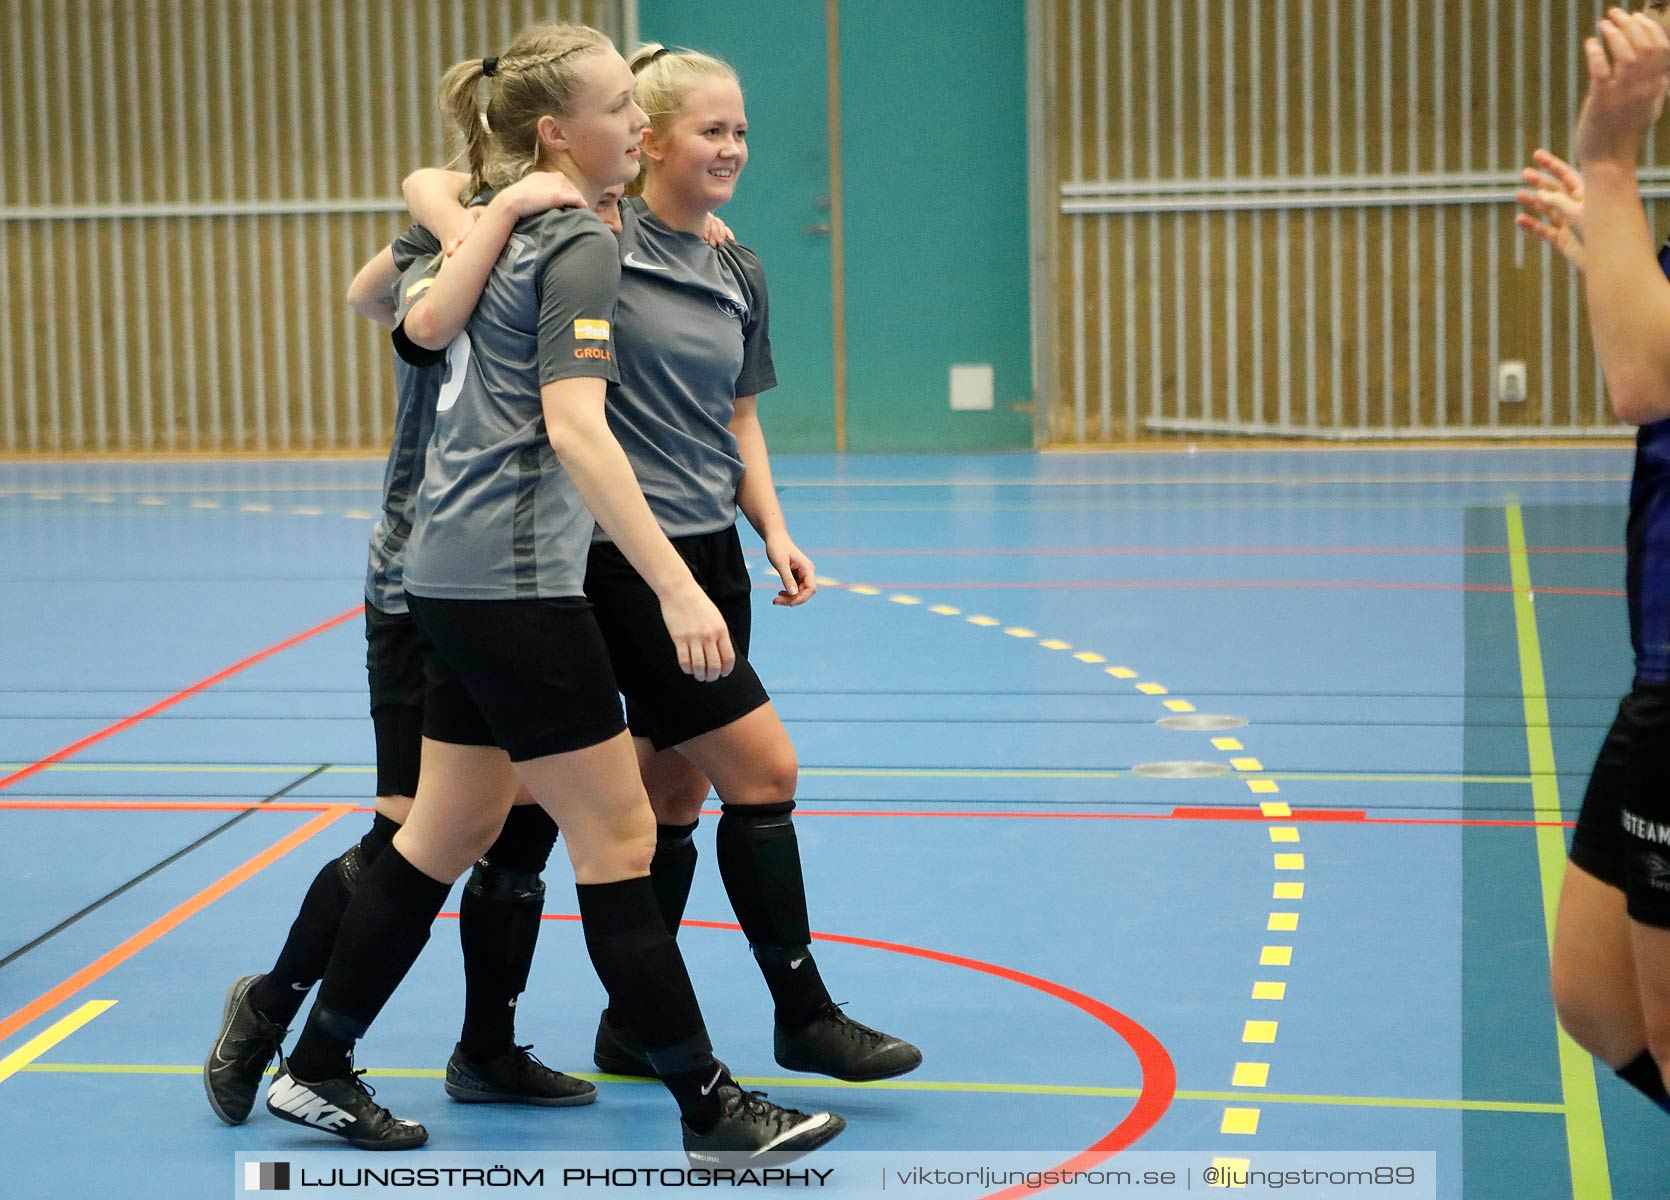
[
  {"x": 499, "y": 915},
  {"x": 520, "y": 686},
  {"x": 1611, "y": 959},
  {"x": 693, "y": 337}
]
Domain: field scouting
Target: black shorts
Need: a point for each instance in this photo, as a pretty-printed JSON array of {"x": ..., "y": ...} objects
[
  {"x": 394, "y": 666},
  {"x": 1623, "y": 831},
  {"x": 531, "y": 677},
  {"x": 664, "y": 704}
]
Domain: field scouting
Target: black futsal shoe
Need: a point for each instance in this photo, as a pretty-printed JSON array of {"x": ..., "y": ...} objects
[
  {"x": 245, "y": 1046},
  {"x": 617, "y": 1052},
  {"x": 514, "y": 1077},
  {"x": 751, "y": 1126},
  {"x": 343, "y": 1107},
  {"x": 833, "y": 1044}
]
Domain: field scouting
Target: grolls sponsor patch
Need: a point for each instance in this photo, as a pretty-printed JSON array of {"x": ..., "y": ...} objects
[
  {"x": 597, "y": 352},
  {"x": 591, "y": 331}
]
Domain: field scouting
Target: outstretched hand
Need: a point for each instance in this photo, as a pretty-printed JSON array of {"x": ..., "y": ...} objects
[{"x": 1554, "y": 194}]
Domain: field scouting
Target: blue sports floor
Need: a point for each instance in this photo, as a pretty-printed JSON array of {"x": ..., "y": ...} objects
[{"x": 1336, "y": 939}]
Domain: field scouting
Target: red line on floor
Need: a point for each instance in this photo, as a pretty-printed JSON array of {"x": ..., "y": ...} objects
[
  {"x": 202, "y": 685},
  {"x": 1330, "y": 815},
  {"x": 1159, "y": 1074},
  {"x": 175, "y": 917}
]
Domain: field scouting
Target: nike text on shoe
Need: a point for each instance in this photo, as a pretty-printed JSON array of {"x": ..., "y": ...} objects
[
  {"x": 343, "y": 1107},
  {"x": 246, "y": 1044},
  {"x": 515, "y": 1077},
  {"x": 833, "y": 1044},
  {"x": 617, "y": 1052},
  {"x": 750, "y": 1127}
]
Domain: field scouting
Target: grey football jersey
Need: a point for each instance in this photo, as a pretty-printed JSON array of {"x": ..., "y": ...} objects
[
  {"x": 497, "y": 517},
  {"x": 693, "y": 334},
  {"x": 415, "y": 390}
]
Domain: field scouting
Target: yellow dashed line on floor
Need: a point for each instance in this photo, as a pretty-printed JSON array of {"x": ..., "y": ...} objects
[
  {"x": 1020, "y": 631},
  {"x": 1288, "y": 891},
  {"x": 1263, "y": 787},
  {"x": 907, "y": 601},
  {"x": 1284, "y": 833},
  {"x": 1290, "y": 862},
  {"x": 1240, "y": 1120},
  {"x": 1179, "y": 706},
  {"x": 1276, "y": 956},
  {"x": 1152, "y": 689},
  {"x": 864, "y": 589},
  {"x": 984, "y": 622},
  {"x": 1251, "y": 1075},
  {"x": 1055, "y": 644},
  {"x": 1265, "y": 989},
  {"x": 1246, "y": 764},
  {"x": 945, "y": 610},
  {"x": 1227, "y": 743},
  {"x": 1283, "y": 922},
  {"x": 1259, "y": 1033},
  {"x": 1275, "y": 808},
  {"x": 1089, "y": 656}
]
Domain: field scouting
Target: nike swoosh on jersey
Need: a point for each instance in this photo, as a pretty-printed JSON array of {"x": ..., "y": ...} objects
[{"x": 633, "y": 260}]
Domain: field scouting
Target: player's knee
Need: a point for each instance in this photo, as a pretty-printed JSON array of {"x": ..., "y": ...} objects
[
  {"x": 774, "y": 779},
  {"x": 679, "y": 801}
]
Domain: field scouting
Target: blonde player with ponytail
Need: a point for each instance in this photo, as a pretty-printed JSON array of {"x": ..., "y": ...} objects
[
  {"x": 692, "y": 332},
  {"x": 521, "y": 690}
]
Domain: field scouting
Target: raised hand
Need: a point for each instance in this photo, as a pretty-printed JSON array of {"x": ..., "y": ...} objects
[
  {"x": 1629, "y": 73},
  {"x": 1554, "y": 194}
]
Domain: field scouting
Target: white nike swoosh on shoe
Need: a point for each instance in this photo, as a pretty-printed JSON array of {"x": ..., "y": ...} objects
[
  {"x": 632, "y": 260},
  {"x": 712, "y": 1083},
  {"x": 814, "y": 1121},
  {"x": 300, "y": 987},
  {"x": 794, "y": 964}
]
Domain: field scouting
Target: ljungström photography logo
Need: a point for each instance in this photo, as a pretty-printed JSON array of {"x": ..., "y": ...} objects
[{"x": 266, "y": 1177}]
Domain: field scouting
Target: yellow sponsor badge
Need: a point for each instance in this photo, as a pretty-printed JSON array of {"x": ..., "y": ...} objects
[{"x": 591, "y": 331}]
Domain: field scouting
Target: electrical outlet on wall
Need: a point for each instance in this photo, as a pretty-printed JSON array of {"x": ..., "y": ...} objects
[
  {"x": 1511, "y": 386},
  {"x": 972, "y": 387}
]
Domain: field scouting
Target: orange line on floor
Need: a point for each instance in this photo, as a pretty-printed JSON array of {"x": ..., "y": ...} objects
[{"x": 108, "y": 961}]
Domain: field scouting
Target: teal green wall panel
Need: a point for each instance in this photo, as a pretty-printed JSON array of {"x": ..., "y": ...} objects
[
  {"x": 934, "y": 170},
  {"x": 933, "y": 118},
  {"x": 779, "y": 50}
]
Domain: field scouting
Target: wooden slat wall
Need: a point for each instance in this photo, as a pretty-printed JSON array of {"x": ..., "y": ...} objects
[
  {"x": 188, "y": 187},
  {"x": 1367, "y": 319}
]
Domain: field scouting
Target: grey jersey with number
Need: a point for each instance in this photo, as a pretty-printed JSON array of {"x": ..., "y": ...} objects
[
  {"x": 497, "y": 517},
  {"x": 415, "y": 389},
  {"x": 693, "y": 335}
]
